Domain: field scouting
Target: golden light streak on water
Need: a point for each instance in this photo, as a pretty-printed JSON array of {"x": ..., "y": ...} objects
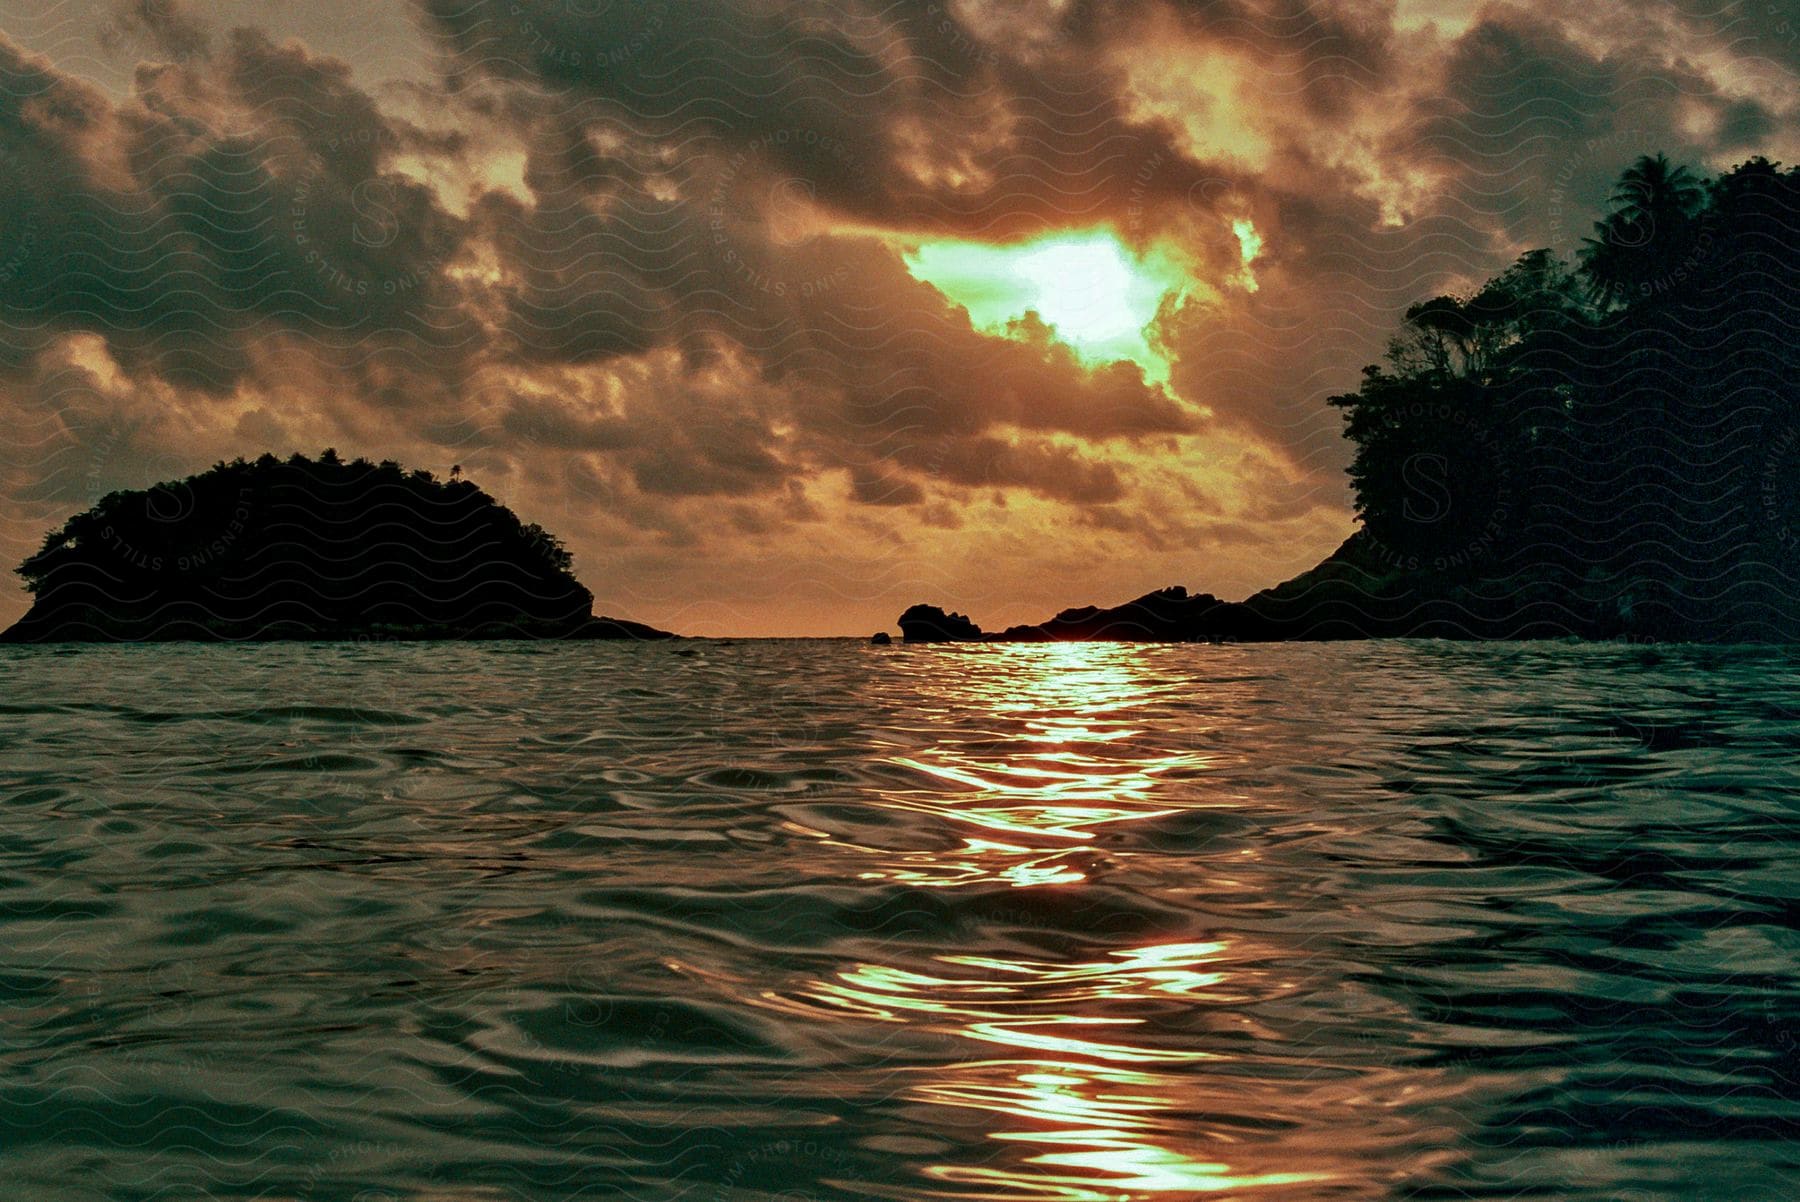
[
  {"x": 1102, "y": 1107},
  {"x": 1100, "y": 1065},
  {"x": 1072, "y": 767}
]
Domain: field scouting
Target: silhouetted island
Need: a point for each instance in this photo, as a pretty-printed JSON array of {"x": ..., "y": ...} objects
[
  {"x": 306, "y": 549},
  {"x": 1605, "y": 451}
]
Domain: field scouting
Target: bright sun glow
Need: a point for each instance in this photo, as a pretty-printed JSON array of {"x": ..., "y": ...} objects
[{"x": 1097, "y": 294}]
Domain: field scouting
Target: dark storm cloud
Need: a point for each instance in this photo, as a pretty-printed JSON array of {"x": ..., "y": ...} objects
[
  {"x": 880, "y": 483},
  {"x": 169, "y": 27},
  {"x": 556, "y": 422},
  {"x": 1059, "y": 472},
  {"x": 1767, "y": 30},
  {"x": 745, "y": 69},
  {"x": 1744, "y": 123},
  {"x": 893, "y": 113},
  {"x": 583, "y": 284},
  {"x": 217, "y": 202},
  {"x": 1525, "y": 108}
]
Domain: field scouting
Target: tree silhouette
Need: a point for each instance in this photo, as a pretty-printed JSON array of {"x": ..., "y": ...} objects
[
  {"x": 1609, "y": 439},
  {"x": 1650, "y": 230}
]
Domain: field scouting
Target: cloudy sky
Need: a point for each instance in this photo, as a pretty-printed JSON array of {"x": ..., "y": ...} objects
[{"x": 785, "y": 314}]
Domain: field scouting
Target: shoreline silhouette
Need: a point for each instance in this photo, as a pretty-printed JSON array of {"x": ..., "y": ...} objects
[{"x": 1603, "y": 450}]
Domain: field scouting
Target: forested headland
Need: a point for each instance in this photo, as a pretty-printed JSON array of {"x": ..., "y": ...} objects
[{"x": 1607, "y": 447}]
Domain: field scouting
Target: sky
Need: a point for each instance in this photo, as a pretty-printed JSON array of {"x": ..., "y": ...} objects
[{"x": 787, "y": 314}]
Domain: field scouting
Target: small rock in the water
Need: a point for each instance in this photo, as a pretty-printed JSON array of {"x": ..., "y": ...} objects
[{"x": 881, "y": 638}]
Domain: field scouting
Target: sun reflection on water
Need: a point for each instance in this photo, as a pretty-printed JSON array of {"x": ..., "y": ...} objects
[
  {"x": 1092, "y": 1099},
  {"x": 1103, "y": 1066},
  {"x": 1049, "y": 751}
]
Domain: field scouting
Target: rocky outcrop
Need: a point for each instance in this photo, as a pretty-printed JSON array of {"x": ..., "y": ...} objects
[
  {"x": 1355, "y": 594},
  {"x": 929, "y": 624},
  {"x": 1167, "y": 615}
]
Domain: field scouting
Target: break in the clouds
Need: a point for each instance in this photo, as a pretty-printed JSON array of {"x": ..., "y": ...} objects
[{"x": 787, "y": 314}]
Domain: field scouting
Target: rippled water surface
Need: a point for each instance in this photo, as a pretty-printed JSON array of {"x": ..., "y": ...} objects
[{"x": 818, "y": 920}]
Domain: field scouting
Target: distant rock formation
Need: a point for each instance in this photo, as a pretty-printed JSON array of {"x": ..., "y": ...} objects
[
  {"x": 929, "y": 624},
  {"x": 1351, "y": 594},
  {"x": 614, "y": 628},
  {"x": 881, "y": 638},
  {"x": 306, "y": 549},
  {"x": 1167, "y": 615}
]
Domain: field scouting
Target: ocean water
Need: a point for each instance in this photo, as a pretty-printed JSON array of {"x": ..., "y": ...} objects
[{"x": 814, "y": 920}]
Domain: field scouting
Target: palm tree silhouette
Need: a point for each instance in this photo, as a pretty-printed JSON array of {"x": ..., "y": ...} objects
[{"x": 1649, "y": 230}]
